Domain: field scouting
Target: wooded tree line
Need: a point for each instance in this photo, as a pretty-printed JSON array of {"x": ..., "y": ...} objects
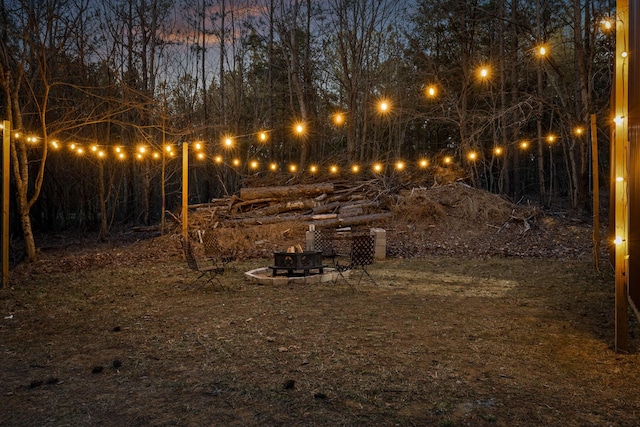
[{"x": 156, "y": 72}]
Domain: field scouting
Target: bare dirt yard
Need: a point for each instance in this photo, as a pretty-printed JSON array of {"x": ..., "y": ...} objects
[{"x": 481, "y": 316}]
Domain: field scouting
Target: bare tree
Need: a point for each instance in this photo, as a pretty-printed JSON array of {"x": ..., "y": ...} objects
[{"x": 37, "y": 38}]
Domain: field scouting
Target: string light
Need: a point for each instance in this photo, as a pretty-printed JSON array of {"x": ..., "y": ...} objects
[
  {"x": 431, "y": 91},
  {"x": 384, "y": 106}
]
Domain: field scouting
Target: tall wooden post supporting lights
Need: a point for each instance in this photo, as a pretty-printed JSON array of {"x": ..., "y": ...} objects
[
  {"x": 6, "y": 169},
  {"x": 620, "y": 167},
  {"x": 185, "y": 190}
]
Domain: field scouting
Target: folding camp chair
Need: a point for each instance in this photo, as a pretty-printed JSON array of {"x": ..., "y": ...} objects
[
  {"x": 209, "y": 271},
  {"x": 361, "y": 256}
]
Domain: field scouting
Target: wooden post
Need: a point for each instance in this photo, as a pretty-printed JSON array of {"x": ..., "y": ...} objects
[
  {"x": 185, "y": 190},
  {"x": 596, "y": 193},
  {"x": 620, "y": 161},
  {"x": 6, "y": 169}
]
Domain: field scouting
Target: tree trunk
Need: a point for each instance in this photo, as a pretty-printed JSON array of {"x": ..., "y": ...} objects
[{"x": 293, "y": 191}]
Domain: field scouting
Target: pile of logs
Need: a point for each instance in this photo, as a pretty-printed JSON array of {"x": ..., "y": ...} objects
[{"x": 319, "y": 204}]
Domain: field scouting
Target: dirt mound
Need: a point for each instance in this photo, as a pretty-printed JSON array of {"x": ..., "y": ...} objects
[
  {"x": 460, "y": 201},
  {"x": 458, "y": 219}
]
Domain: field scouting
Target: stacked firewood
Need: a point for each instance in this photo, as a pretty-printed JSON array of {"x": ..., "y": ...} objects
[{"x": 320, "y": 204}]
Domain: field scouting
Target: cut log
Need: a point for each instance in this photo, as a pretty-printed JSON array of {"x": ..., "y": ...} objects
[
  {"x": 333, "y": 222},
  {"x": 320, "y": 217},
  {"x": 292, "y": 191},
  {"x": 353, "y": 220},
  {"x": 295, "y": 205}
]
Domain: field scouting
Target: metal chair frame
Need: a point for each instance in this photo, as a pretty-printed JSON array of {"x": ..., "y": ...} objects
[
  {"x": 214, "y": 252},
  {"x": 361, "y": 255},
  {"x": 209, "y": 271}
]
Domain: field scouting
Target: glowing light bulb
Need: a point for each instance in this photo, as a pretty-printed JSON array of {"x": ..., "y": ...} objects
[
  {"x": 377, "y": 167},
  {"x": 333, "y": 169},
  {"x": 400, "y": 165},
  {"x": 313, "y": 169},
  {"x": 618, "y": 240},
  {"x": 293, "y": 168},
  {"x": 497, "y": 151},
  {"x": 355, "y": 168},
  {"x": 424, "y": 163}
]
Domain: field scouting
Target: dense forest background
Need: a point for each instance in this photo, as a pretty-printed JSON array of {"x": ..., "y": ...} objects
[{"x": 102, "y": 97}]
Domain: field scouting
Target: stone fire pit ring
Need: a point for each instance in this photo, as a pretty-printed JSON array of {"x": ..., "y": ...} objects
[{"x": 263, "y": 276}]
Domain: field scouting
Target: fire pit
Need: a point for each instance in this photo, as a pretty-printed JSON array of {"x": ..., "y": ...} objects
[{"x": 293, "y": 264}]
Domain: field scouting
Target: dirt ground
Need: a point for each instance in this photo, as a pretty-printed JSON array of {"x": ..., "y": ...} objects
[{"x": 476, "y": 319}]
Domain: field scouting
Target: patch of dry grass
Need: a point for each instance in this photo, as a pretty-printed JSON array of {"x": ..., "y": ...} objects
[{"x": 440, "y": 341}]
